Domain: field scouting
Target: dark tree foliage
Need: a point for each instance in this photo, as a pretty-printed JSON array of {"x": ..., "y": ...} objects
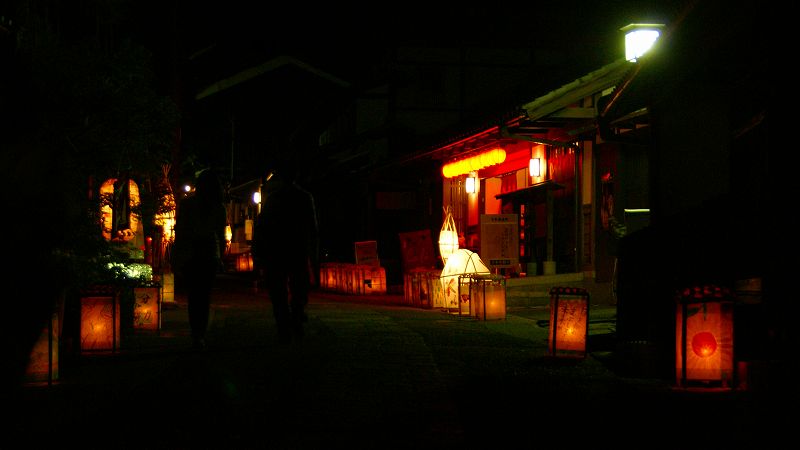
[{"x": 79, "y": 106}]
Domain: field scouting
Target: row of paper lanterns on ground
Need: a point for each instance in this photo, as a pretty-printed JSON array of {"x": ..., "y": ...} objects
[
  {"x": 100, "y": 331},
  {"x": 704, "y": 314}
]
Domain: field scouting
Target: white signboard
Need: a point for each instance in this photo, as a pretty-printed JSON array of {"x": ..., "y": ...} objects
[{"x": 500, "y": 240}]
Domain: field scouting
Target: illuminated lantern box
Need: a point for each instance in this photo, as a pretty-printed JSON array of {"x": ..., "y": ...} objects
[
  {"x": 147, "y": 308},
  {"x": 455, "y": 279},
  {"x": 168, "y": 288},
  {"x": 376, "y": 282},
  {"x": 487, "y": 297},
  {"x": 569, "y": 322},
  {"x": 704, "y": 337},
  {"x": 422, "y": 288},
  {"x": 100, "y": 321},
  {"x": 359, "y": 274},
  {"x": 408, "y": 288},
  {"x": 244, "y": 262},
  {"x": 349, "y": 274},
  {"x": 327, "y": 276},
  {"x": 342, "y": 271},
  {"x": 43, "y": 362}
]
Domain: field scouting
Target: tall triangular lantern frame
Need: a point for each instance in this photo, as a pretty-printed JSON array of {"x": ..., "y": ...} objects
[{"x": 448, "y": 236}]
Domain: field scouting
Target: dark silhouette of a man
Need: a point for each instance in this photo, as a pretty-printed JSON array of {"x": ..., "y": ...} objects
[
  {"x": 285, "y": 248},
  {"x": 199, "y": 246}
]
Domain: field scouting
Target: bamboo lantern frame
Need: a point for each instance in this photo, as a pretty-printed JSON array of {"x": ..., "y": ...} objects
[
  {"x": 448, "y": 236},
  {"x": 704, "y": 351},
  {"x": 569, "y": 322}
]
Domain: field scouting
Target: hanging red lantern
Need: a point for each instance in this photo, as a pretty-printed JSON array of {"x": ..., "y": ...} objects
[{"x": 704, "y": 337}]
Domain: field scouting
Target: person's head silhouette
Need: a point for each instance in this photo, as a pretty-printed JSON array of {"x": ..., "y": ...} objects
[{"x": 208, "y": 185}]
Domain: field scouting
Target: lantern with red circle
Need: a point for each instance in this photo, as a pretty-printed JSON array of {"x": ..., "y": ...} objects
[{"x": 704, "y": 337}]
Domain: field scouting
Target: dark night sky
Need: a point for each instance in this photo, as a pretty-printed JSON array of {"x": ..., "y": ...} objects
[
  {"x": 198, "y": 42},
  {"x": 340, "y": 36},
  {"x": 206, "y": 41}
]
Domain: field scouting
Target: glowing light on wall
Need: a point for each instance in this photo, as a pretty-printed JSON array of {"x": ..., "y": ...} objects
[
  {"x": 228, "y": 233},
  {"x": 535, "y": 167},
  {"x": 639, "y": 38},
  {"x": 257, "y": 197},
  {"x": 107, "y": 210},
  {"x": 704, "y": 337},
  {"x": 474, "y": 163},
  {"x": 569, "y": 322},
  {"x": 471, "y": 183}
]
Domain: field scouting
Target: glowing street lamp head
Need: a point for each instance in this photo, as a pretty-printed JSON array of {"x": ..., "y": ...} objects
[{"x": 639, "y": 38}]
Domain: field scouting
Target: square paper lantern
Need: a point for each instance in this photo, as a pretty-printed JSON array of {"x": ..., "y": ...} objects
[
  {"x": 147, "y": 308},
  {"x": 375, "y": 281},
  {"x": 244, "y": 262},
  {"x": 455, "y": 278},
  {"x": 100, "y": 322},
  {"x": 43, "y": 362},
  {"x": 168, "y": 288},
  {"x": 422, "y": 288},
  {"x": 487, "y": 297},
  {"x": 569, "y": 322},
  {"x": 704, "y": 337}
]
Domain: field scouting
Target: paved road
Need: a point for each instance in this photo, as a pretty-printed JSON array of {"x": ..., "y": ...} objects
[{"x": 369, "y": 374}]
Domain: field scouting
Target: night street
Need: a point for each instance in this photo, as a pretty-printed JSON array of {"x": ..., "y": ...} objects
[{"x": 370, "y": 374}]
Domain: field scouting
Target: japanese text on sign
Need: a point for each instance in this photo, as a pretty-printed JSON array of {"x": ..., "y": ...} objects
[{"x": 500, "y": 239}]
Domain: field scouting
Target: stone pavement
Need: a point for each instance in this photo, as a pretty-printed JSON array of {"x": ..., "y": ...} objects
[{"x": 372, "y": 374}]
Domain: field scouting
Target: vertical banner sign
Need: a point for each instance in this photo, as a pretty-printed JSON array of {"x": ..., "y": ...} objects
[{"x": 500, "y": 240}]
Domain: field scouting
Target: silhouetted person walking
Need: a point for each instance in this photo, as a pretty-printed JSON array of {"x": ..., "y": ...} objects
[
  {"x": 285, "y": 246},
  {"x": 198, "y": 249}
]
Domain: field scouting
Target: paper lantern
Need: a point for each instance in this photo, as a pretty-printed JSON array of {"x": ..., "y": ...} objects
[
  {"x": 168, "y": 288},
  {"x": 244, "y": 262},
  {"x": 327, "y": 276},
  {"x": 100, "y": 322},
  {"x": 448, "y": 236},
  {"x": 455, "y": 278},
  {"x": 569, "y": 322},
  {"x": 43, "y": 363},
  {"x": 473, "y": 163},
  {"x": 147, "y": 308},
  {"x": 704, "y": 337},
  {"x": 421, "y": 288},
  {"x": 375, "y": 283},
  {"x": 487, "y": 297}
]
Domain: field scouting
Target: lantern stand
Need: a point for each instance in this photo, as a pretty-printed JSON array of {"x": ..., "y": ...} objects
[
  {"x": 99, "y": 305},
  {"x": 566, "y": 317},
  {"x": 487, "y": 296},
  {"x": 704, "y": 337}
]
